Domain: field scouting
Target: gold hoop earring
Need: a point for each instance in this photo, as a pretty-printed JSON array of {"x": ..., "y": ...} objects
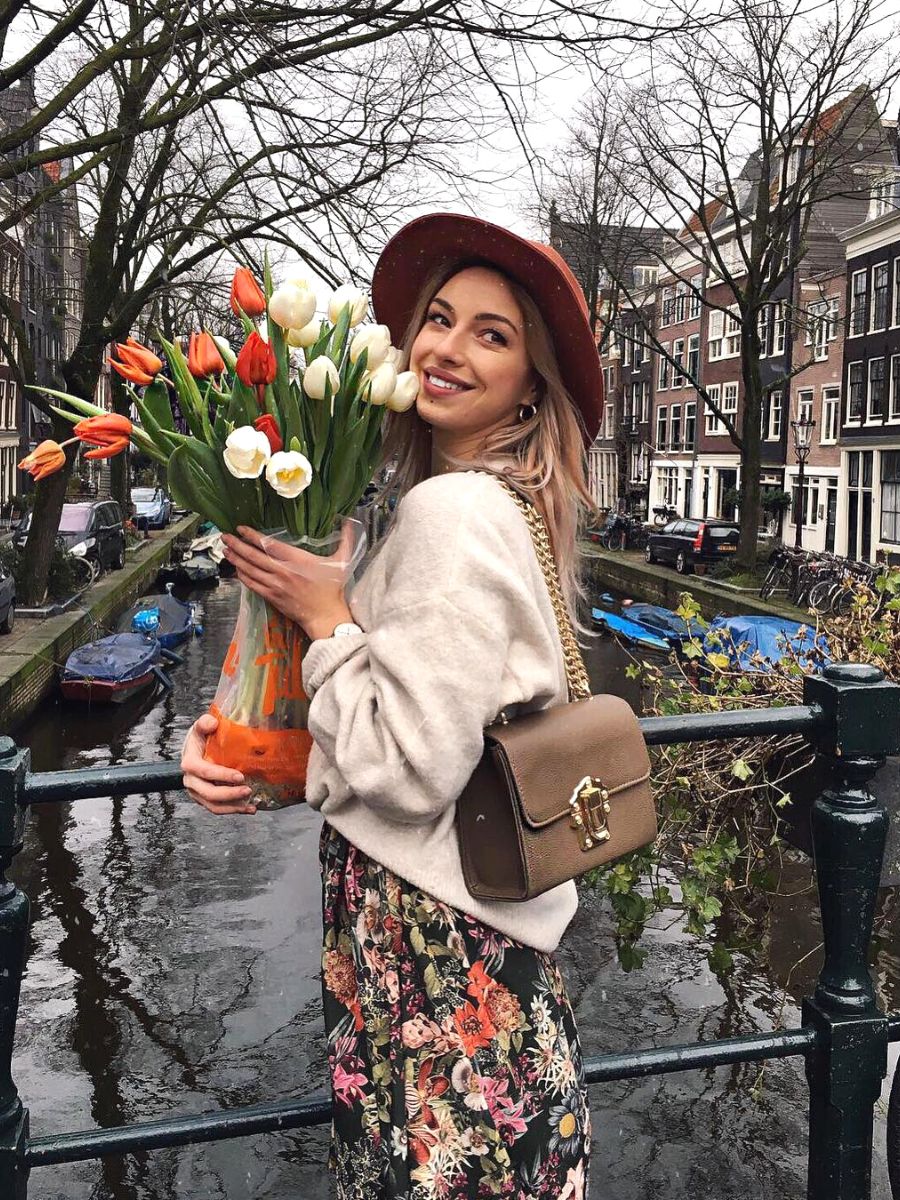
[{"x": 525, "y": 415}]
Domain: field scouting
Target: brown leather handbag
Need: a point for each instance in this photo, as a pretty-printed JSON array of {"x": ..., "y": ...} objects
[{"x": 556, "y": 792}]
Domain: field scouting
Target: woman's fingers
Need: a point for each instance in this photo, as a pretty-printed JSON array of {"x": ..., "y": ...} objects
[{"x": 219, "y": 800}]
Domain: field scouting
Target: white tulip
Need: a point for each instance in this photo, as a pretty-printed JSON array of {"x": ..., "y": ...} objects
[
  {"x": 375, "y": 340},
  {"x": 344, "y": 295},
  {"x": 246, "y": 452},
  {"x": 405, "y": 393},
  {"x": 263, "y": 330},
  {"x": 291, "y": 307},
  {"x": 316, "y": 374},
  {"x": 395, "y": 357},
  {"x": 305, "y": 337},
  {"x": 289, "y": 472},
  {"x": 379, "y": 384}
]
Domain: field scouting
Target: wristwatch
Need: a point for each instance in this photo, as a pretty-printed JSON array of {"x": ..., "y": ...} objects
[{"x": 345, "y": 629}]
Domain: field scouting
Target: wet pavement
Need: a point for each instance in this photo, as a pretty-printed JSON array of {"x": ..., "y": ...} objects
[{"x": 173, "y": 969}]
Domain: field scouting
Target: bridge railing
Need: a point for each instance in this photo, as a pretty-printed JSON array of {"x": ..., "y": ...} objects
[{"x": 851, "y": 718}]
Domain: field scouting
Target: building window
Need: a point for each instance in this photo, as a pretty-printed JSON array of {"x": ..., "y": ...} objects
[
  {"x": 662, "y": 422},
  {"x": 830, "y": 405},
  {"x": 894, "y": 402},
  {"x": 810, "y": 500},
  {"x": 880, "y": 292},
  {"x": 858, "y": 303},
  {"x": 678, "y": 369},
  {"x": 764, "y": 329},
  {"x": 608, "y": 421},
  {"x": 680, "y": 301},
  {"x": 890, "y": 495},
  {"x": 856, "y": 389},
  {"x": 645, "y": 401},
  {"x": 693, "y": 358},
  {"x": 694, "y": 297},
  {"x": 714, "y": 335},
  {"x": 774, "y": 431},
  {"x": 645, "y": 276},
  {"x": 668, "y": 485},
  {"x": 675, "y": 427},
  {"x": 805, "y": 404},
  {"x": 732, "y": 335},
  {"x": 662, "y": 378},
  {"x": 730, "y": 400},
  {"x": 895, "y": 319},
  {"x": 666, "y": 315},
  {"x": 609, "y": 379},
  {"x": 821, "y": 326},
  {"x": 885, "y": 195},
  {"x": 876, "y": 389},
  {"x": 778, "y": 326},
  {"x": 690, "y": 425},
  {"x": 626, "y": 348},
  {"x": 713, "y": 424}
]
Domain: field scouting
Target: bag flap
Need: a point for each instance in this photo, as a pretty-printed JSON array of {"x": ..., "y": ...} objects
[{"x": 546, "y": 755}]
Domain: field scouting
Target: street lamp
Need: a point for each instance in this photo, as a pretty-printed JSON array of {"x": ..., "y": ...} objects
[{"x": 802, "y": 429}]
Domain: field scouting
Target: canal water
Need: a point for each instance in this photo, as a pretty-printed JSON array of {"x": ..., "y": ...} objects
[{"x": 173, "y": 968}]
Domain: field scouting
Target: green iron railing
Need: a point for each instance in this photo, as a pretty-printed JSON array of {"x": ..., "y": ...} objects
[{"x": 850, "y": 716}]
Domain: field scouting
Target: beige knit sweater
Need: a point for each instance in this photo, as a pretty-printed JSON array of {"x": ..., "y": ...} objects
[{"x": 458, "y": 625}]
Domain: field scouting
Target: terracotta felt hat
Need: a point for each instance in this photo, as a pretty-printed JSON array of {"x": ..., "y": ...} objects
[{"x": 424, "y": 244}]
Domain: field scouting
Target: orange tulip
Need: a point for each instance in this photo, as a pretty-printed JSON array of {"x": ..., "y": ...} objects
[
  {"x": 103, "y": 430},
  {"x": 46, "y": 459},
  {"x": 132, "y": 374},
  {"x": 204, "y": 358},
  {"x": 246, "y": 294},
  {"x": 256, "y": 364},
  {"x": 109, "y": 449},
  {"x": 138, "y": 364}
]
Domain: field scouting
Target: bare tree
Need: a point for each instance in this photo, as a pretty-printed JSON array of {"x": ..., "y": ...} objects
[{"x": 749, "y": 139}]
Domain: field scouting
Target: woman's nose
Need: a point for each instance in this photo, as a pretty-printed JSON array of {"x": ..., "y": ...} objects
[{"x": 450, "y": 346}]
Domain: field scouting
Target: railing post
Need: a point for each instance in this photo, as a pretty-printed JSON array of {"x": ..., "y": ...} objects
[
  {"x": 849, "y": 828},
  {"x": 13, "y": 934}
]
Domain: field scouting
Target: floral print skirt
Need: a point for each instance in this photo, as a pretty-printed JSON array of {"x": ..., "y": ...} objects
[{"x": 455, "y": 1063}]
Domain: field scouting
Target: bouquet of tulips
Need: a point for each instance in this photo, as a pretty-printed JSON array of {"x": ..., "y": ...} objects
[{"x": 286, "y": 447}]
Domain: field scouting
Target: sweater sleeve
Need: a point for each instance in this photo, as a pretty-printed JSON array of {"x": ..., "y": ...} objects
[{"x": 400, "y": 710}]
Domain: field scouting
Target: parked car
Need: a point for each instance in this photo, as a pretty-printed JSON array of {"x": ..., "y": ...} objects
[
  {"x": 152, "y": 507},
  {"x": 7, "y": 601},
  {"x": 686, "y": 543},
  {"x": 91, "y": 529}
]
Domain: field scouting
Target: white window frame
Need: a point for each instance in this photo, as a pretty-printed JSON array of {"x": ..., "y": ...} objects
[
  {"x": 690, "y": 414},
  {"x": 893, "y": 388},
  {"x": 662, "y": 426},
  {"x": 831, "y": 415},
  {"x": 805, "y": 400},
  {"x": 872, "y": 419},
  {"x": 678, "y": 369},
  {"x": 665, "y": 307},
  {"x": 764, "y": 329},
  {"x": 673, "y": 444},
  {"x": 895, "y": 295},
  {"x": 715, "y": 335},
  {"x": 608, "y": 420},
  {"x": 662, "y": 373},
  {"x": 694, "y": 298},
  {"x": 693, "y": 352},
  {"x": 775, "y": 414},
  {"x": 712, "y": 425},
  {"x": 732, "y": 336},
  {"x": 850, "y": 419},
  {"x": 645, "y": 401},
  {"x": 882, "y": 266},
  {"x": 858, "y": 299},
  {"x": 778, "y": 329}
]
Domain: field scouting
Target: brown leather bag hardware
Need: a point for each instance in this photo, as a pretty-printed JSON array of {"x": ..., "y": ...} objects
[{"x": 557, "y": 792}]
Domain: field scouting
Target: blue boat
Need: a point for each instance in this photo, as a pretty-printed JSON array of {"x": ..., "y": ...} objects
[
  {"x": 631, "y": 631},
  {"x": 113, "y": 668},
  {"x": 170, "y": 620},
  {"x": 665, "y": 623},
  {"x": 757, "y": 643}
]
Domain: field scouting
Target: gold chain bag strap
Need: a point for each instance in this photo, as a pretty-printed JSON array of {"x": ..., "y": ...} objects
[{"x": 556, "y": 792}]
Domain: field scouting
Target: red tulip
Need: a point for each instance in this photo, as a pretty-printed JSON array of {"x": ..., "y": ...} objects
[
  {"x": 204, "y": 358},
  {"x": 266, "y": 424},
  {"x": 46, "y": 459},
  {"x": 256, "y": 365},
  {"x": 138, "y": 364},
  {"x": 103, "y": 430},
  {"x": 109, "y": 449},
  {"x": 246, "y": 294}
]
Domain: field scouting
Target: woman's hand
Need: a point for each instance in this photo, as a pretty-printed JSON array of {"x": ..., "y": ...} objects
[
  {"x": 218, "y": 789},
  {"x": 287, "y": 577}
]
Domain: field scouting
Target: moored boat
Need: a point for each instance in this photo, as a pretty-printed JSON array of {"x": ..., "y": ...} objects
[
  {"x": 170, "y": 620},
  {"x": 113, "y": 668}
]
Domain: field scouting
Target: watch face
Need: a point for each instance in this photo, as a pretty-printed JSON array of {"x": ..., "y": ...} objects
[{"x": 345, "y": 629}]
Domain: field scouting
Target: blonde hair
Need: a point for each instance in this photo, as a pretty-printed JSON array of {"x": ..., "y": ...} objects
[{"x": 542, "y": 457}]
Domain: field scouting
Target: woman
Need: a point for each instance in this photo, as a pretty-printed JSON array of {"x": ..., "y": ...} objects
[{"x": 455, "y": 1063}]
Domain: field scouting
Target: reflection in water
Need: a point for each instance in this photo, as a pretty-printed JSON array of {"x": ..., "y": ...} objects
[{"x": 173, "y": 968}]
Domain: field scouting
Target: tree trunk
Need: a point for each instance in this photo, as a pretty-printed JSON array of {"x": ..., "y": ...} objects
[
  {"x": 120, "y": 466},
  {"x": 751, "y": 450}
]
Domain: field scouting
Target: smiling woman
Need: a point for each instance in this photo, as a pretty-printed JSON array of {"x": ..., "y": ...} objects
[{"x": 455, "y": 1060}]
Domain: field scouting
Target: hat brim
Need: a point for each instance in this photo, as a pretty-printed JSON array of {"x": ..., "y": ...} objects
[{"x": 423, "y": 245}]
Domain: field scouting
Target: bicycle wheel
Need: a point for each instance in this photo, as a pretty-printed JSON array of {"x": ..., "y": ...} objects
[
  {"x": 771, "y": 581},
  {"x": 820, "y": 595}
]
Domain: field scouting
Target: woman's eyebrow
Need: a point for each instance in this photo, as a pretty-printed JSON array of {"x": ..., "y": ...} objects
[{"x": 484, "y": 316}]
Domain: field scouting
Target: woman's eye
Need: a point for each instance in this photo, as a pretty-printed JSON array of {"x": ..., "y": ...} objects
[
  {"x": 438, "y": 316},
  {"x": 496, "y": 337}
]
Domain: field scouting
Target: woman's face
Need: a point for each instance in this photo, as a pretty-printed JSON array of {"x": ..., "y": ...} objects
[{"x": 470, "y": 356}]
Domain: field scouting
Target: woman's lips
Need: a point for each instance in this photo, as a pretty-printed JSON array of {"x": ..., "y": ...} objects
[{"x": 437, "y": 385}]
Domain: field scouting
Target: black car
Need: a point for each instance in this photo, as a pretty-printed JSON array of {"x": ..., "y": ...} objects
[
  {"x": 685, "y": 543},
  {"x": 91, "y": 529},
  {"x": 7, "y": 601}
]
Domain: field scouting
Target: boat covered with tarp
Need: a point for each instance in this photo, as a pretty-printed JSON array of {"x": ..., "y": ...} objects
[
  {"x": 664, "y": 622},
  {"x": 757, "y": 643},
  {"x": 170, "y": 620},
  {"x": 629, "y": 631},
  {"x": 113, "y": 668}
]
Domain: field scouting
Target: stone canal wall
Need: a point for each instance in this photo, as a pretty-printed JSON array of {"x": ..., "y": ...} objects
[
  {"x": 32, "y": 655},
  {"x": 629, "y": 575}
]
